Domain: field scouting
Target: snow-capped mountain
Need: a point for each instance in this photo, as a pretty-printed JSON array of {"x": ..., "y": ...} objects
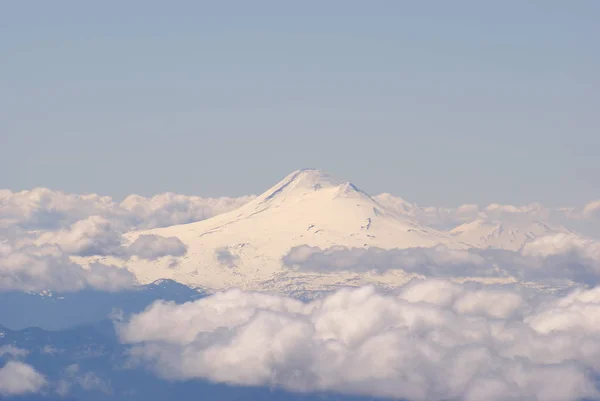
[
  {"x": 509, "y": 235},
  {"x": 244, "y": 247}
]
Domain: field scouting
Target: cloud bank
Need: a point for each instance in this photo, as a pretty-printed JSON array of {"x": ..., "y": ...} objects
[
  {"x": 45, "y": 209},
  {"x": 552, "y": 259},
  {"x": 48, "y": 267},
  {"x": 431, "y": 340},
  {"x": 42, "y": 230}
]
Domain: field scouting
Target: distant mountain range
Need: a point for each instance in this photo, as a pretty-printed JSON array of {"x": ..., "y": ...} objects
[{"x": 56, "y": 311}]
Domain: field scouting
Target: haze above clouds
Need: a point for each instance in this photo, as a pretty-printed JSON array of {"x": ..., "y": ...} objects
[{"x": 444, "y": 105}]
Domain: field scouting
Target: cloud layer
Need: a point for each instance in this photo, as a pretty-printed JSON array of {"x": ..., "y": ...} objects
[
  {"x": 431, "y": 340},
  {"x": 42, "y": 230},
  {"x": 552, "y": 259},
  {"x": 47, "y": 267},
  {"x": 45, "y": 209}
]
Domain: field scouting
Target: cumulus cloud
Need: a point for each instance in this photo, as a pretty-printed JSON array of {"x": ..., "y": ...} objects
[
  {"x": 553, "y": 260},
  {"x": 430, "y": 340},
  {"x": 591, "y": 210},
  {"x": 17, "y": 378},
  {"x": 12, "y": 351},
  {"x": 154, "y": 246},
  {"x": 97, "y": 236},
  {"x": 94, "y": 235},
  {"x": 438, "y": 261},
  {"x": 48, "y": 267},
  {"x": 225, "y": 257},
  {"x": 44, "y": 228},
  {"x": 563, "y": 244},
  {"x": 43, "y": 260},
  {"x": 41, "y": 229},
  {"x": 74, "y": 376},
  {"x": 45, "y": 209},
  {"x": 167, "y": 209}
]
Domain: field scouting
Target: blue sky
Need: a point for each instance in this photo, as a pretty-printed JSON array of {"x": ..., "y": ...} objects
[{"x": 439, "y": 102}]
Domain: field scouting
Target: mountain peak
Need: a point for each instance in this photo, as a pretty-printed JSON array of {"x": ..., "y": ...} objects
[
  {"x": 310, "y": 178},
  {"x": 305, "y": 181}
]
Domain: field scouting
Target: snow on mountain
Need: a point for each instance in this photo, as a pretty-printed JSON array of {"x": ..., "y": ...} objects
[
  {"x": 510, "y": 235},
  {"x": 493, "y": 226},
  {"x": 244, "y": 247}
]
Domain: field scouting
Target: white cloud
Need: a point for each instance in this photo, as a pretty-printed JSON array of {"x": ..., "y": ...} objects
[
  {"x": 153, "y": 246},
  {"x": 18, "y": 378},
  {"x": 563, "y": 244},
  {"x": 167, "y": 209},
  {"x": 94, "y": 235},
  {"x": 225, "y": 257},
  {"x": 44, "y": 228},
  {"x": 47, "y": 267},
  {"x": 41, "y": 229},
  {"x": 591, "y": 210},
  {"x": 13, "y": 351},
  {"x": 553, "y": 260},
  {"x": 431, "y": 340},
  {"x": 97, "y": 236},
  {"x": 438, "y": 261},
  {"x": 73, "y": 376},
  {"x": 45, "y": 209}
]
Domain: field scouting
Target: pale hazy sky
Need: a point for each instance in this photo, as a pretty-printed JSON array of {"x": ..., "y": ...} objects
[{"x": 439, "y": 102}]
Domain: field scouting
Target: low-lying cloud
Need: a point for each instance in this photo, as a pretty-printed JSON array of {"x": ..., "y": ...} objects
[
  {"x": 430, "y": 340},
  {"x": 153, "y": 246},
  {"x": 74, "y": 376},
  {"x": 18, "y": 378},
  {"x": 97, "y": 236},
  {"x": 42, "y": 230},
  {"x": 225, "y": 257},
  {"x": 45, "y": 209},
  {"x": 551, "y": 259},
  {"x": 94, "y": 235},
  {"x": 48, "y": 267},
  {"x": 437, "y": 261}
]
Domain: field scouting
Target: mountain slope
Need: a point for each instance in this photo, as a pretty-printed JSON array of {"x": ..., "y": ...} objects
[
  {"x": 507, "y": 235},
  {"x": 244, "y": 247}
]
